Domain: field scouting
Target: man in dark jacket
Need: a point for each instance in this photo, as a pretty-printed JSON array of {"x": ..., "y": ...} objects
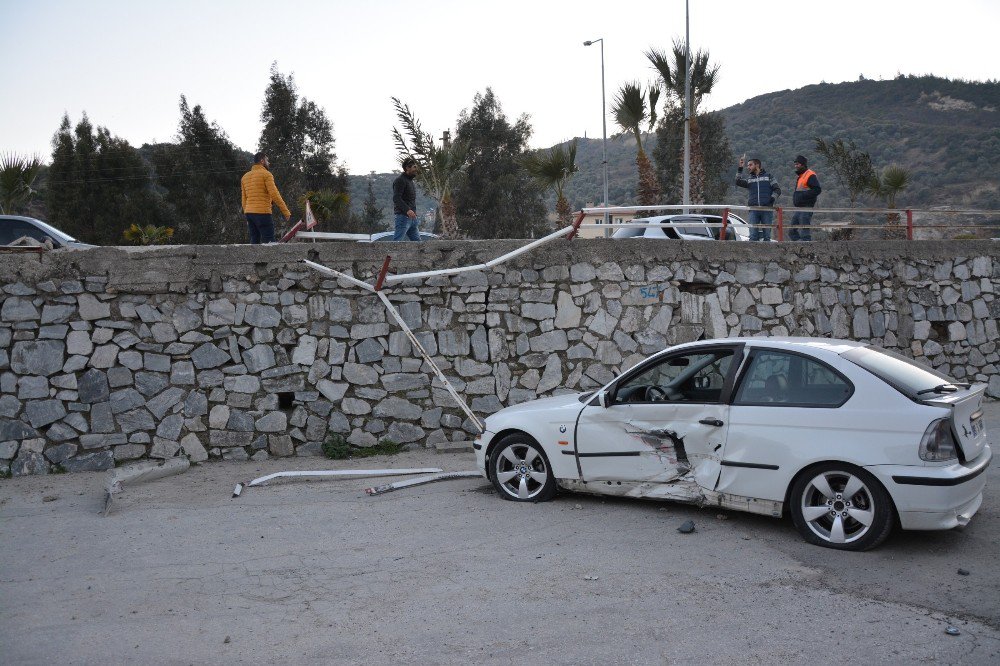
[
  {"x": 807, "y": 189},
  {"x": 404, "y": 203},
  {"x": 762, "y": 190}
]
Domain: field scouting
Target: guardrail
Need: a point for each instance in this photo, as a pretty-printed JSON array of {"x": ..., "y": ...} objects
[{"x": 780, "y": 227}]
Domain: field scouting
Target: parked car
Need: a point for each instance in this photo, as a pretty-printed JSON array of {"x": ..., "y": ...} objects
[
  {"x": 387, "y": 236},
  {"x": 847, "y": 438},
  {"x": 13, "y": 227},
  {"x": 685, "y": 227}
]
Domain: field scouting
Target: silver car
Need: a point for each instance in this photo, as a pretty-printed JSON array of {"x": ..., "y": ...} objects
[
  {"x": 685, "y": 227},
  {"x": 13, "y": 227}
]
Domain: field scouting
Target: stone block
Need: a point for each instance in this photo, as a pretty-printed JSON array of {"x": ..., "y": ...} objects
[
  {"x": 37, "y": 357},
  {"x": 91, "y": 462}
]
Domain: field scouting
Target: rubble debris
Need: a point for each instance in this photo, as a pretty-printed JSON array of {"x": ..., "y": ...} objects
[
  {"x": 963, "y": 572},
  {"x": 953, "y": 631},
  {"x": 333, "y": 472},
  {"x": 591, "y": 577},
  {"x": 139, "y": 472},
  {"x": 687, "y": 527},
  {"x": 409, "y": 483}
]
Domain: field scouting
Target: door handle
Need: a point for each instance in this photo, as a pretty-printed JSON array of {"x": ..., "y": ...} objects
[{"x": 712, "y": 422}]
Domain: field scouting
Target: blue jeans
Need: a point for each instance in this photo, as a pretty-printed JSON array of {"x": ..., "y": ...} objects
[
  {"x": 800, "y": 230},
  {"x": 760, "y": 217},
  {"x": 261, "y": 228},
  {"x": 406, "y": 228}
]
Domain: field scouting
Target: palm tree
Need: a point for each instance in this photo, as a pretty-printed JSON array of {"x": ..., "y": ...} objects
[
  {"x": 704, "y": 76},
  {"x": 553, "y": 169},
  {"x": 17, "y": 178},
  {"x": 439, "y": 165},
  {"x": 887, "y": 185},
  {"x": 630, "y": 112}
]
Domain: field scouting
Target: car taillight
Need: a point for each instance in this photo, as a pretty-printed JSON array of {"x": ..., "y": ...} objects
[{"x": 938, "y": 442}]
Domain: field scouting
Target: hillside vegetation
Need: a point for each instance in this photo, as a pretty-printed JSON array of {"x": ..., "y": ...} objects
[{"x": 947, "y": 133}]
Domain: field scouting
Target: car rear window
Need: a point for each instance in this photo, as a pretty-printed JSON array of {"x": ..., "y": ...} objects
[
  {"x": 626, "y": 232},
  {"x": 904, "y": 374}
]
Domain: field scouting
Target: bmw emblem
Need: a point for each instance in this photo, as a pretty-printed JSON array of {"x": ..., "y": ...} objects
[{"x": 562, "y": 428}]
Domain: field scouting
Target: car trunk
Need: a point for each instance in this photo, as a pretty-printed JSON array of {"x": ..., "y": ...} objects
[{"x": 967, "y": 418}]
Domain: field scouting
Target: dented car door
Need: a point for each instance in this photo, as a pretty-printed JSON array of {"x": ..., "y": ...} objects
[{"x": 664, "y": 419}]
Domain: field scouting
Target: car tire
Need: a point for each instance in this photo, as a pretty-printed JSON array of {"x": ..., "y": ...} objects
[
  {"x": 836, "y": 505},
  {"x": 520, "y": 471}
]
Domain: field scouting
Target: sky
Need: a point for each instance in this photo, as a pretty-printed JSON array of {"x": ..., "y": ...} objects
[{"x": 126, "y": 64}]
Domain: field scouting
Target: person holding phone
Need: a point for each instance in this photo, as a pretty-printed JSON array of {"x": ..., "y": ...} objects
[{"x": 763, "y": 190}]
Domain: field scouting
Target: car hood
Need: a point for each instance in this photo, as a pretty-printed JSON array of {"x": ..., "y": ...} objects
[{"x": 554, "y": 406}]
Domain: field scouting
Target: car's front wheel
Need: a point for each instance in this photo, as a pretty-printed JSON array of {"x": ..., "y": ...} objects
[
  {"x": 520, "y": 471},
  {"x": 841, "y": 506}
]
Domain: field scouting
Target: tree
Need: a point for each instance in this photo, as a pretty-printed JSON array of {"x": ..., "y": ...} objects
[
  {"x": 672, "y": 71},
  {"x": 298, "y": 138},
  {"x": 99, "y": 185},
  {"x": 439, "y": 166},
  {"x": 853, "y": 170},
  {"x": 201, "y": 175},
  {"x": 887, "y": 185},
  {"x": 17, "y": 180},
  {"x": 372, "y": 215},
  {"x": 631, "y": 112},
  {"x": 496, "y": 196},
  {"x": 553, "y": 169},
  {"x": 716, "y": 156}
]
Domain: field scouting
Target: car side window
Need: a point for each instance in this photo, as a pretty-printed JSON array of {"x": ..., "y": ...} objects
[
  {"x": 14, "y": 229},
  {"x": 695, "y": 377},
  {"x": 783, "y": 379}
]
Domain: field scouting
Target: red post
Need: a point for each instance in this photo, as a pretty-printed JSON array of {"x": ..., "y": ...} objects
[
  {"x": 909, "y": 224},
  {"x": 296, "y": 228},
  {"x": 575, "y": 228},
  {"x": 781, "y": 224},
  {"x": 382, "y": 273},
  {"x": 725, "y": 222}
]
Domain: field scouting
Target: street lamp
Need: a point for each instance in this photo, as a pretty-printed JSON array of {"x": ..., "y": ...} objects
[{"x": 604, "y": 134}]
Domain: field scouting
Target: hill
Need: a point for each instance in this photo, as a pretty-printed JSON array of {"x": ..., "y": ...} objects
[{"x": 947, "y": 133}]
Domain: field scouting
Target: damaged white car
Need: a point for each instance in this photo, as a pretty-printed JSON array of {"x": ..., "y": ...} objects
[{"x": 849, "y": 439}]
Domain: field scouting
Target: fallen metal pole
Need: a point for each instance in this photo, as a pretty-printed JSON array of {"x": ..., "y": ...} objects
[
  {"x": 334, "y": 472},
  {"x": 329, "y": 271},
  {"x": 409, "y": 483},
  {"x": 129, "y": 475},
  {"x": 427, "y": 357}
]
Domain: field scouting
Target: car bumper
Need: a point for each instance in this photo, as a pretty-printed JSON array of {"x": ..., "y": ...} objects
[
  {"x": 935, "y": 498},
  {"x": 479, "y": 447}
]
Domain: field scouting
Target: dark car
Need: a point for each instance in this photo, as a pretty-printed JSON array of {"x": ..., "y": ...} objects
[{"x": 13, "y": 227}]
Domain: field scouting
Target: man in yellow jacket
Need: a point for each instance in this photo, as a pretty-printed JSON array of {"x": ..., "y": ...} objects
[{"x": 259, "y": 195}]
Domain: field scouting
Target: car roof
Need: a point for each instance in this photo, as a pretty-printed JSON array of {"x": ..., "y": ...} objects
[{"x": 826, "y": 344}]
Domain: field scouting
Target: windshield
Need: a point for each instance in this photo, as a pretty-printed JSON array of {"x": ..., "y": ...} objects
[
  {"x": 55, "y": 233},
  {"x": 900, "y": 372}
]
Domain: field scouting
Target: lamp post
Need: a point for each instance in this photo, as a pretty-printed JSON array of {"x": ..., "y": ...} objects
[
  {"x": 687, "y": 108},
  {"x": 604, "y": 134}
]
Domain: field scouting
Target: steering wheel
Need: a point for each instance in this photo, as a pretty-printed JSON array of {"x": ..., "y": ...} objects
[{"x": 655, "y": 393}]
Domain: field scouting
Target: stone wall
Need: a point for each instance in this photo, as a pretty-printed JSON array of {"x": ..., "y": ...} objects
[{"x": 115, "y": 354}]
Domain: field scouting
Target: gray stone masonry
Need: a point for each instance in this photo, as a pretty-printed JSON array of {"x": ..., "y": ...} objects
[{"x": 115, "y": 354}]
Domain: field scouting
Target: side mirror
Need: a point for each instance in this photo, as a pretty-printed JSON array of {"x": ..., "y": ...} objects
[{"x": 602, "y": 399}]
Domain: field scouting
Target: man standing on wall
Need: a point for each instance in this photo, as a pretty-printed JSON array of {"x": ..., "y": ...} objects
[
  {"x": 404, "y": 203},
  {"x": 259, "y": 195},
  {"x": 762, "y": 190},
  {"x": 807, "y": 189}
]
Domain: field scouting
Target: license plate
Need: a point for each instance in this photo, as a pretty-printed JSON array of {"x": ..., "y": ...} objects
[{"x": 977, "y": 427}]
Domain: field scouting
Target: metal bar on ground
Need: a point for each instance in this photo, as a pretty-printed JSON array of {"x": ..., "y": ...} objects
[
  {"x": 393, "y": 279},
  {"x": 382, "y": 273},
  {"x": 334, "y": 473},
  {"x": 409, "y": 483},
  {"x": 427, "y": 357},
  {"x": 329, "y": 271}
]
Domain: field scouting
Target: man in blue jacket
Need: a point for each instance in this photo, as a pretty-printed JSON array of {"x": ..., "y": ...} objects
[{"x": 762, "y": 190}]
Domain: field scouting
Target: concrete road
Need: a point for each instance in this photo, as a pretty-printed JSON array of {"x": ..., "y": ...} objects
[{"x": 317, "y": 572}]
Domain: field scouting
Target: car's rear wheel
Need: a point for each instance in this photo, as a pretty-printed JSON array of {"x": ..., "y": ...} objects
[
  {"x": 841, "y": 506},
  {"x": 520, "y": 471}
]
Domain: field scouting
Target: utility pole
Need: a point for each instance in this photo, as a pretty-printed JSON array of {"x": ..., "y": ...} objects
[{"x": 687, "y": 108}]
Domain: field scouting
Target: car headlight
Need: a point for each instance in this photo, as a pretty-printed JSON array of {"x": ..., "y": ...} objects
[{"x": 938, "y": 442}]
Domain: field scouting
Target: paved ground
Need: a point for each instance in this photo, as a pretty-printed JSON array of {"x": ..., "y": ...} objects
[{"x": 317, "y": 572}]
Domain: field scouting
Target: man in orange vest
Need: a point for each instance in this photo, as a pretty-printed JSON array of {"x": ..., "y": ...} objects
[
  {"x": 259, "y": 195},
  {"x": 807, "y": 189}
]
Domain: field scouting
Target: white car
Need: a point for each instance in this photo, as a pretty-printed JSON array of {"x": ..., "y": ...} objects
[
  {"x": 685, "y": 227},
  {"x": 13, "y": 227},
  {"x": 848, "y": 438}
]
